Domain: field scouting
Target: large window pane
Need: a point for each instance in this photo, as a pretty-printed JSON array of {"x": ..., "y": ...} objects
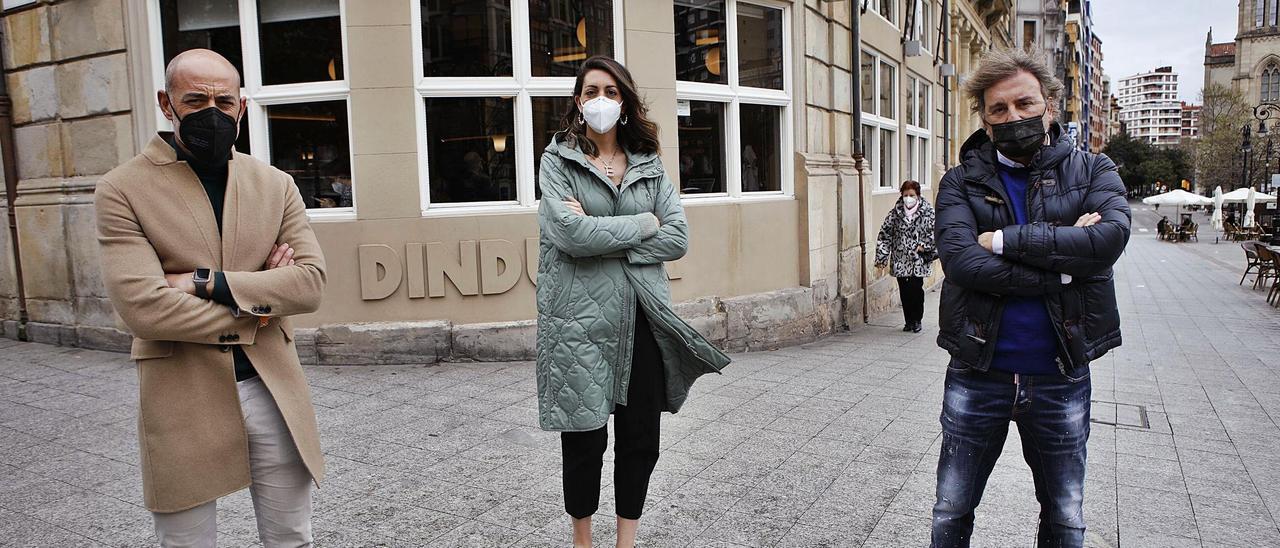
[
  {"x": 911, "y": 100},
  {"x": 547, "y": 115},
  {"x": 301, "y": 41},
  {"x": 887, "y": 143},
  {"x": 868, "y": 84},
  {"x": 309, "y": 141},
  {"x": 885, "y": 7},
  {"x": 564, "y": 33},
  {"x": 471, "y": 149},
  {"x": 886, "y": 91},
  {"x": 700, "y": 41},
  {"x": 868, "y": 142},
  {"x": 759, "y": 46},
  {"x": 208, "y": 24},
  {"x": 922, "y": 171},
  {"x": 910, "y": 155},
  {"x": 466, "y": 38},
  {"x": 922, "y": 102},
  {"x": 702, "y": 148},
  {"x": 761, "y": 148}
]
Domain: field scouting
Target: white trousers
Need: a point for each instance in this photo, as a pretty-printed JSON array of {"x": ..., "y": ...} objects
[{"x": 281, "y": 488}]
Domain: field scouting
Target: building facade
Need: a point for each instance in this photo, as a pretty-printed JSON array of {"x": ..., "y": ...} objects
[
  {"x": 1219, "y": 62},
  {"x": 1084, "y": 73},
  {"x": 1150, "y": 106},
  {"x": 1190, "y": 121},
  {"x": 413, "y": 130},
  {"x": 1097, "y": 97},
  {"x": 1250, "y": 64},
  {"x": 1041, "y": 25},
  {"x": 975, "y": 28}
]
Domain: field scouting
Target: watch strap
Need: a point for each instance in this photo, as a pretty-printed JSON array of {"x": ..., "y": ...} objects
[{"x": 201, "y": 283}]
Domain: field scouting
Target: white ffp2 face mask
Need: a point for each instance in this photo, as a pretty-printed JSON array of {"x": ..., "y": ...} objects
[
  {"x": 601, "y": 113},
  {"x": 909, "y": 201}
]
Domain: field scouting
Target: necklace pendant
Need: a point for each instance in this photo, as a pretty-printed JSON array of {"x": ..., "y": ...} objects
[{"x": 608, "y": 171}]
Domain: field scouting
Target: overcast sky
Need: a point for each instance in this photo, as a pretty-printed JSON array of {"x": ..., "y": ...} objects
[{"x": 1140, "y": 35}]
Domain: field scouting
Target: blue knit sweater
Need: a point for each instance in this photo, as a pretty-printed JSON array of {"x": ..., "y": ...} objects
[{"x": 1027, "y": 343}]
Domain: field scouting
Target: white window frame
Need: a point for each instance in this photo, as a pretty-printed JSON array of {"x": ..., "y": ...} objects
[
  {"x": 914, "y": 82},
  {"x": 1022, "y": 28},
  {"x": 876, "y": 120},
  {"x": 521, "y": 85},
  {"x": 874, "y": 7},
  {"x": 259, "y": 97},
  {"x": 924, "y": 18},
  {"x": 734, "y": 96}
]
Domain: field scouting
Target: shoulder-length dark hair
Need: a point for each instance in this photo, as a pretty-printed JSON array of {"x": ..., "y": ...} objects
[
  {"x": 910, "y": 185},
  {"x": 638, "y": 134}
]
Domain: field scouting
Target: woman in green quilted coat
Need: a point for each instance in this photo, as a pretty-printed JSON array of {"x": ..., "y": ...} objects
[{"x": 608, "y": 340}]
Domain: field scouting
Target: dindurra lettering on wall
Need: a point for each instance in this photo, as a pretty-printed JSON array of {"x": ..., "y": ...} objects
[{"x": 473, "y": 267}]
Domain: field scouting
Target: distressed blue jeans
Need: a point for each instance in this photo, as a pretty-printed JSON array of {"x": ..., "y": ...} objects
[{"x": 1052, "y": 414}]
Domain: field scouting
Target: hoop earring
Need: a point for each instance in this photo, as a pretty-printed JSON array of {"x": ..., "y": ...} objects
[
  {"x": 624, "y": 119},
  {"x": 580, "y": 119}
]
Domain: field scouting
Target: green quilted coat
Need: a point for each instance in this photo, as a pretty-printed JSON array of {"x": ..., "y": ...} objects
[{"x": 593, "y": 271}]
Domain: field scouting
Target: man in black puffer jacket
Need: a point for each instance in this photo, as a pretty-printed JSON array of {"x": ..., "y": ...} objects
[{"x": 1028, "y": 228}]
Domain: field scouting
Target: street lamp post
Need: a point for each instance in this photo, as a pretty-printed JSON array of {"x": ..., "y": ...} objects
[
  {"x": 1265, "y": 186},
  {"x": 1245, "y": 148}
]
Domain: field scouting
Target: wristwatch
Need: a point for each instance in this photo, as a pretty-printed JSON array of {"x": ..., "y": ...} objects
[{"x": 201, "y": 280}]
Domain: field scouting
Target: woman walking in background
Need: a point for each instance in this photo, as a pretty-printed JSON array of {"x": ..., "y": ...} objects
[
  {"x": 906, "y": 245},
  {"x": 608, "y": 340}
]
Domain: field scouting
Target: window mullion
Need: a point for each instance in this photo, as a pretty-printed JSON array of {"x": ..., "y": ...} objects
[
  {"x": 525, "y": 177},
  {"x": 733, "y": 118},
  {"x": 733, "y": 146},
  {"x": 259, "y": 136},
  {"x": 731, "y": 43},
  {"x": 520, "y": 51},
  {"x": 619, "y": 33},
  {"x": 249, "y": 46}
]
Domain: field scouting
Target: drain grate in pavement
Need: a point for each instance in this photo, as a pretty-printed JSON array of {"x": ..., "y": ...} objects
[{"x": 1119, "y": 414}]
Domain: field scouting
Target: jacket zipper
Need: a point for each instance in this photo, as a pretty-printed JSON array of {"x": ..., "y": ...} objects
[{"x": 1060, "y": 325}]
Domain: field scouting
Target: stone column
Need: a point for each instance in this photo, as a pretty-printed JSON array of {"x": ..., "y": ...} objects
[
  {"x": 651, "y": 57},
  {"x": 384, "y": 132},
  {"x": 825, "y": 98},
  {"x": 67, "y": 73}
]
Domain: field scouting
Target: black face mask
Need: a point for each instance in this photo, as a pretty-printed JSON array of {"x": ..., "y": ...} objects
[
  {"x": 208, "y": 135},
  {"x": 1019, "y": 139}
]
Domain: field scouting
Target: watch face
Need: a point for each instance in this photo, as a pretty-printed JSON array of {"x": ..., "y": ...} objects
[{"x": 201, "y": 274}]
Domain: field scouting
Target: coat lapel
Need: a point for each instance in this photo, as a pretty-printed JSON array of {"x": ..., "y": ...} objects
[
  {"x": 231, "y": 219},
  {"x": 183, "y": 181}
]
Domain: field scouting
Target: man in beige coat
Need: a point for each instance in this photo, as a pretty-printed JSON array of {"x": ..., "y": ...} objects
[{"x": 205, "y": 254}]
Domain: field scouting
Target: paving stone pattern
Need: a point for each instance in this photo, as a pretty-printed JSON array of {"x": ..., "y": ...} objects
[{"x": 830, "y": 444}]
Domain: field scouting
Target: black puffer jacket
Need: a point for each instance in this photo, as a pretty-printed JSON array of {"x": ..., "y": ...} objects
[{"x": 1065, "y": 184}]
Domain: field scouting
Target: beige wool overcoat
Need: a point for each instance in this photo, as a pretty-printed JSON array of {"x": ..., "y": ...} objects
[{"x": 154, "y": 218}]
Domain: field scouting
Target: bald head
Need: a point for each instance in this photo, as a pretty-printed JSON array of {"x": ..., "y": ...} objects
[
  {"x": 198, "y": 79},
  {"x": 199, "y": 64}
]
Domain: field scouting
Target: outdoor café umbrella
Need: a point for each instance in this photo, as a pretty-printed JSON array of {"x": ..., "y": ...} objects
[
  {"x": 1217, "y": 208},
  {"x": 1248, "y": 212},
  {"x": 1177, "y": 197},
  {"x": 1241, "y": 195}
]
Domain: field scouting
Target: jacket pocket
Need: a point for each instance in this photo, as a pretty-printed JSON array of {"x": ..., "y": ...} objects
[
  {"x": 973, "y": 342},
  {"x": 564, "y": 284},
  {"x": 1100, "y": 315},
  {"x": 143, "y": 349}
]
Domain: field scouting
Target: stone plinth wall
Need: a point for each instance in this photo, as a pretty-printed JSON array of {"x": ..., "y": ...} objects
[
  {"x": 66, "y": 67},
  {"x": 763, "y": 321}
]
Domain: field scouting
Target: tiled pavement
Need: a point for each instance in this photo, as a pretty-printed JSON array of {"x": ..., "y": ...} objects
[{"x": 830, "y": 444}]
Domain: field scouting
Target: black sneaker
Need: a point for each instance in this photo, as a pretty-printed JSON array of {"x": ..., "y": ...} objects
[
  {"x": 907, "y": 328},
  {"x": 918, "y": 327}
]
